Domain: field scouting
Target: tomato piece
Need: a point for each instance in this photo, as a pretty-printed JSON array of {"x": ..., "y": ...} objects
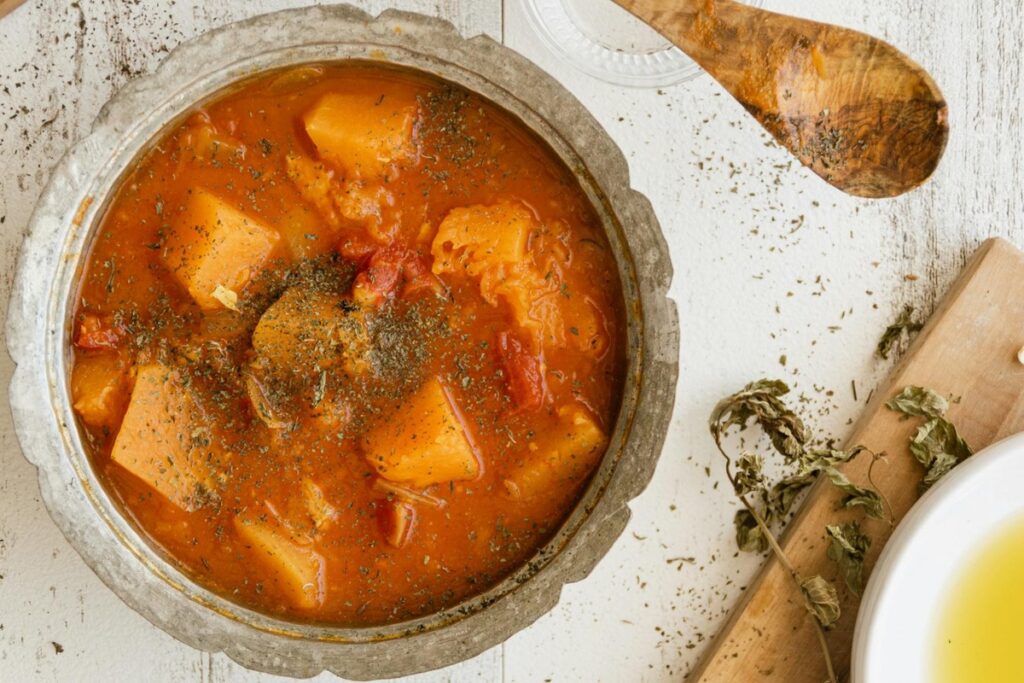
[
  {"x": 357, "y": 247},
  {"x": 525, "y": 373},
  {"x": 393, "y": 268},
  {"x": 95, "y": 333}
]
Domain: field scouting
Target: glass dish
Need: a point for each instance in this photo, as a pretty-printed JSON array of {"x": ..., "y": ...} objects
[{"x": 605, "y": 41}]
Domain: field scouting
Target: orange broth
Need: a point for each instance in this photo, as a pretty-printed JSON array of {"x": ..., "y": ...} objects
[{"x": 517, "y": 358}]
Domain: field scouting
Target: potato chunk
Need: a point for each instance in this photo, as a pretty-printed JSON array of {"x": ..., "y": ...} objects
[
  {"x": 477, "y": 239},
  {"x": 305, "y": 329},
  {"x": 213, "y": 245},
  {"x": 296, "y": 570},
  {"x": 562, "y": 459},
  {"x": 316, "y": 185},
  {"x": 98, "y": 384},
  {"x": 425, "y": 443},
  {"x": 363, "y": 133},
  {"x": 157, "y": 440}
]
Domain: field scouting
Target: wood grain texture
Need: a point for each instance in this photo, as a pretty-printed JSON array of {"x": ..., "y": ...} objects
[
  {"x": 8, "y": 6},
  {"x": 968, "y": 350},
  {"x": 852, "y": 108}
]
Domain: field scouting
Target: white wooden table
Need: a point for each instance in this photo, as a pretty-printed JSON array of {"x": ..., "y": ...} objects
[{"x": 769, "y": 262}]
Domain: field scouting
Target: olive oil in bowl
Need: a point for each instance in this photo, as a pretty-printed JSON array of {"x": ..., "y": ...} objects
[{"x": 980, "y": 636}]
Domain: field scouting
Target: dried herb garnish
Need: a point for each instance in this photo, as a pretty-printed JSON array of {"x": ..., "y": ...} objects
[
  {"x": 847, "y": 547},
  {"x": 823, "y": 600},
  {"x": 918, "y": 402},
  {"x": 768, "y": 505},
  {"x": 894, "y": 333},
  {"x": 936, "y": 444}
]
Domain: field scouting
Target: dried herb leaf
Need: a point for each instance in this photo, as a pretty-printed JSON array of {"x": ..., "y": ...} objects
[
  {"x": 761, "y": 402},
  {"x": 781, "y": 497},
  {"x": 856, "y": 496},
  {"x": 894, "y": 332},
  {"x": 749, "y": 537},
  {"x": 939, "y": 448},
  {"x": 847, "y": 548},
  {"x": 750, "y": 474},
  {"x": 822, "y": 600},
  {"x": 936, "y": 445},
  {"x": 918, "y": 402},
  {"x": 817, "y": 460},
  {"x": 825, "y": 462}
]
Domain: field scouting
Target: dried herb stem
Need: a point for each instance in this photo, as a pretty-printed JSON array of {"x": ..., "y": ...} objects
[
  {"x": 798, "y": 580},
  {"x": 890, "y": 515}
]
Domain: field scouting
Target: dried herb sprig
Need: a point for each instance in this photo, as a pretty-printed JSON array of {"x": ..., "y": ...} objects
[
  {"x": 767, "y": 505},
  {"x": 848, "y": 546},
  {"x": 936, "y": 444},
  {"x": 893, "y": 333}
]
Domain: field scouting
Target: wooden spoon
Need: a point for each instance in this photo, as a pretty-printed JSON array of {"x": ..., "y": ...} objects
[
  {"x": 8, "y": 6},
  {"x": 852, "y": 108}
]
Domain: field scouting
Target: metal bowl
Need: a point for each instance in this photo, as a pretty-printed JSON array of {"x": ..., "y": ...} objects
[{"x": 52, "y": 257}]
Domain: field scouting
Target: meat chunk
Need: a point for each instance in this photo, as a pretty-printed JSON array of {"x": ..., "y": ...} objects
[
  {"x": 98, "y": 332},
  {"x": 365, "y": 134},
  {"x": 164, "y": 438},
  {"x": 426, "y": 443},
  {"x": 306, "y": 329},
  {"x": 201, "y": 139},
  {"x": 318, "y": 507},
  {"x": 397, "y": 520},
  {"x": 296, "y": 570},
  {"x": 212, "y": 247}
]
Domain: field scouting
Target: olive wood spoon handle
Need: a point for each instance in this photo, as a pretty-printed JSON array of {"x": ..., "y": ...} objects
[{"x": 852, "y": 108}]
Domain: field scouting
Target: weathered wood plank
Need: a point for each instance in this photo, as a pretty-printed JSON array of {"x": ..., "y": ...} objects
[{"x": 750, "y": 236}]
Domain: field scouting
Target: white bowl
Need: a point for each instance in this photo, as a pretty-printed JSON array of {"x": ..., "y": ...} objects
[{"x": 912, "y": 582}]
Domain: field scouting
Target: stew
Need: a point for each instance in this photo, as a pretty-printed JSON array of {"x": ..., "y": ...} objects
[{"x": 348, "y": 344}]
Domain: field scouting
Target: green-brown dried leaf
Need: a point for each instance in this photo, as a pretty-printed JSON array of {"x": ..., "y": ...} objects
[
  {"x": 939, "y": 448},
  {"x": 918, "y": 402},
  {"x": 822, "y": 600},
  {"x": 749, "y": 537},
  {"x": 893, "y": 333},
  {"x": 856, "y": 496},
  {"x": 750, "y": 475},
  {"x": 817, "y": 460},
  {"x": 847, "y": 547},
  {"x": 760, "y": 401},
  {"x": 783, "y": 495}
]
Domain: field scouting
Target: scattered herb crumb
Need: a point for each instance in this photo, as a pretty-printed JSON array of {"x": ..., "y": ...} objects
[{"x": 894, "y": 333}]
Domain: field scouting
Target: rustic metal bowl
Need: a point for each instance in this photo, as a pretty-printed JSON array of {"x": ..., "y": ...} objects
[{"x": 39, "y": 332}]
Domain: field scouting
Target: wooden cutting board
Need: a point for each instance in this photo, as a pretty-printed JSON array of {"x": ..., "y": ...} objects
[{"x": 968, "y": 349}]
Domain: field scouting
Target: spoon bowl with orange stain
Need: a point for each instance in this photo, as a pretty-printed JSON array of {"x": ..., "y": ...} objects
[{"x": 851, "y": 107}]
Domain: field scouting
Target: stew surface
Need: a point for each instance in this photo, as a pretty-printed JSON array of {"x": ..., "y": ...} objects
[{"x": 348, "y": 344}]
